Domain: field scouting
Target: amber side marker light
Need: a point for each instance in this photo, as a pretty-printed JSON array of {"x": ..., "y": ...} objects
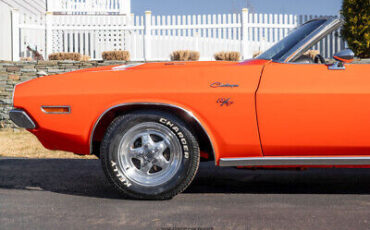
[{"x": 56, "y": 109}]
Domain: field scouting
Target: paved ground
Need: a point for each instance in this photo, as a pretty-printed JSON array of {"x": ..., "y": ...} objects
[{"x": 73, "y": 194}]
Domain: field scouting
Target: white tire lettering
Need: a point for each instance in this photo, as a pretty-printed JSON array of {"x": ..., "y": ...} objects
[
  {"x": 179, "y": 134},
  {"x": 119, "y": 175},
  {"x": 169, "y": 124}
]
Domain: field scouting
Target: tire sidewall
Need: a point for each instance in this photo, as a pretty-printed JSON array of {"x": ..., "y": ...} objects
[{"x": 188, "y": 155}]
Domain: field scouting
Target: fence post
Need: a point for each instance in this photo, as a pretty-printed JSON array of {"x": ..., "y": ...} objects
[
  {"x": 16, "y": 39},
  {"x": 244, "y": 34},
  {"x": 197, "y": 41},
  {"x": 132, "y": 34},
  {"x": 125, "y": 7},
  {"x": 51, "y": 6},
  {"x": 49, "y": 37},
  {"x": 148, "y": 35}
]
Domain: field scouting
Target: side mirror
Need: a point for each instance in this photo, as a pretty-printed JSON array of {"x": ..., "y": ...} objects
[{"x": 344, "y": 56}]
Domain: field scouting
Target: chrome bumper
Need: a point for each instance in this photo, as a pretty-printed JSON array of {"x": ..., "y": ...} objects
[{"x": 22, "y": 119}]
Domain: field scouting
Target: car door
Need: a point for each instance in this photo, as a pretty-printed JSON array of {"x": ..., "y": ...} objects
[{"x": 307, "y": 109}]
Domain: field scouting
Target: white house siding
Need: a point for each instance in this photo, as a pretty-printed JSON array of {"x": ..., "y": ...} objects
[
  {"x": 32, "y": 8},
  {"x": 31, "y": 21},
  {"x": 5, "y": 28},
  {"x": 29, "y": 11},
  {"x": 90, "y": 7}
]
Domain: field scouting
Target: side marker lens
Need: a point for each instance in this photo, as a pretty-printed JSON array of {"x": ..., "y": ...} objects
[{"x": 56, "y": 109}]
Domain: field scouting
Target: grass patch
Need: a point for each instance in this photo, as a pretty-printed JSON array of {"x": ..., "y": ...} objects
[{"x": 24, "y": 144}]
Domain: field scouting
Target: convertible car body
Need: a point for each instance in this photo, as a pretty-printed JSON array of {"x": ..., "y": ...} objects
[{"x": 151, "y": 123}]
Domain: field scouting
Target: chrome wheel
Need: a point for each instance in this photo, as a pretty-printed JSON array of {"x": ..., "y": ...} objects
[{"x": 149, "y": 154}]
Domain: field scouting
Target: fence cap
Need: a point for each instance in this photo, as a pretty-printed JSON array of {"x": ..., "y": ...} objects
[
  {"x": 148, "y": 12},
  {"x": 245, "y": 10}
]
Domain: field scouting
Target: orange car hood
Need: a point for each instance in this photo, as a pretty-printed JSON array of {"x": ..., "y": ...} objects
[
  {"x": 152, "y": 66},
  {"x": 162, "y": 65}
]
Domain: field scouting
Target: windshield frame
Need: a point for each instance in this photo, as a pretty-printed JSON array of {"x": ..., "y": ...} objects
[{"x": 331, "y": 24}]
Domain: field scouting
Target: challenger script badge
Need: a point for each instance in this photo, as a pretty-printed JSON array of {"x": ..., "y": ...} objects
[{"x": 221, "y": 85}]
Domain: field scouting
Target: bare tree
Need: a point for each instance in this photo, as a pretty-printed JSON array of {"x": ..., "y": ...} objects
[{"x": 35, "y": 54}]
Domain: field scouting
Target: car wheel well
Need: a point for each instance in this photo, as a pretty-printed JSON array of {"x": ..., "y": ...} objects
[{"x": 196, "y": 128}]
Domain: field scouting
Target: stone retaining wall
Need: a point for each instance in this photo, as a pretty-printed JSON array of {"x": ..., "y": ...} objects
[{"x": 12, "y": 73}]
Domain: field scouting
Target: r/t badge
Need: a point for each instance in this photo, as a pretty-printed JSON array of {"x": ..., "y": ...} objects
[{"x": 224, "y": 101}]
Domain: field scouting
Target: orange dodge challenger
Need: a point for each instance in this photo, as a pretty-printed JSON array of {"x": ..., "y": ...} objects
[{"x": 150, "y": 124}]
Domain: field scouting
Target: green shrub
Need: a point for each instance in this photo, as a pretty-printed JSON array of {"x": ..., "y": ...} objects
[{"x": 356, "y": 29}]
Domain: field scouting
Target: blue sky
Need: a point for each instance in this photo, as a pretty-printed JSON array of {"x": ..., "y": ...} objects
[{"x": 169, "y": 7}]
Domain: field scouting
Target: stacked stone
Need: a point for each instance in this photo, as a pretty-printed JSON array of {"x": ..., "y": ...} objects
[{"x": 12, "y": 73}]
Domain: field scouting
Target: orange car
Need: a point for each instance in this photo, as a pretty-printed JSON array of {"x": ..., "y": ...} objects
[{"x": 150, "y": 124}]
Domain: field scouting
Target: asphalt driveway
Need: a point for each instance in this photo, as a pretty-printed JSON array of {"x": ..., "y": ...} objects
[{"x": 74, "y": 194}]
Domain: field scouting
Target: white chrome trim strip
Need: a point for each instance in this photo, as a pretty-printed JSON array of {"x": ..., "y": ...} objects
[
  {"x": 284, "y": 161},
  {"x": 125, "y": 67}
]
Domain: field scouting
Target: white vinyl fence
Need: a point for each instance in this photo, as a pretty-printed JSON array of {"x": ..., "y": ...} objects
[
  {"x": 90, "y": 6},
  {"x": 27, "y": 31},
  {"x": 153, "y": 38}
]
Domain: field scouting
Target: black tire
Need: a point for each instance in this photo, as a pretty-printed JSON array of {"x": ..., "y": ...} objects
[{"x": 119, "y": 132}]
